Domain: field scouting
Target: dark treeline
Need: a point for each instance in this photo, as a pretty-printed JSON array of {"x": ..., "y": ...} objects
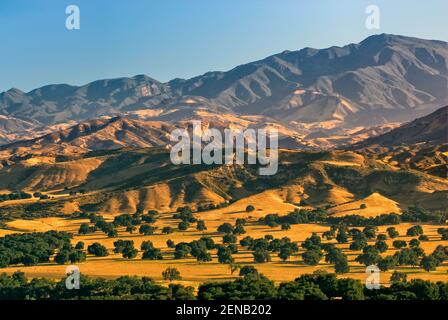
[
  {"x": 15, "y": 196},
  {"x": 413, "y": 214},
  {"x": 18, "y": 287},
  {"x": 250, "y": 286}
]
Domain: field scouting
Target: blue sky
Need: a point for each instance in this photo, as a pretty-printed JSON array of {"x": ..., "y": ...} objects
[{"x": 166, "y": 39}]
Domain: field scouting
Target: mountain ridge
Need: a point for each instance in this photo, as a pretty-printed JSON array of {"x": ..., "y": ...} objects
[
  {"x": 128, "y": 131},
  {"x": 382, "y": 79}
]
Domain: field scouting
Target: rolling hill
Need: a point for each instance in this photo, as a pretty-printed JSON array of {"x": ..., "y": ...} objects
[
  {"x": 130, "y": 179},
  {"x": 100, "y": 134},
  {"x": 122, "y": 132},
  {"x": 419, "y": 145}
]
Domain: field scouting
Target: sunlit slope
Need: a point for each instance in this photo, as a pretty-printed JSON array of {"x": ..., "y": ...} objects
[
  {"x": 141, "y": 179},
  {"x": 371, "y": 206}
]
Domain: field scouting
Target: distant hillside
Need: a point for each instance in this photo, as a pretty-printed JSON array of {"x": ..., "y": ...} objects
[
  {"x": 127, "y": 180},
  {"x": 102, "y": 134},
  {"x": 384, "y": 78},
  {"x": 10, "y": 128},
  {"x": 432, "y": 129}
]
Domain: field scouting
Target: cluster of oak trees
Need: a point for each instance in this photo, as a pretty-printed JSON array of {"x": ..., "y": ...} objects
[
  {"x": 144, "y": 223},
  {"x": 15, "y": 196},
  {"x": 33, "y": 248},
  {"x": 249, "y": 286}
]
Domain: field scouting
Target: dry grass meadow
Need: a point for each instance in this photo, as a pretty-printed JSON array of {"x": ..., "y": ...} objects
[{"x": 193, "y": 273}]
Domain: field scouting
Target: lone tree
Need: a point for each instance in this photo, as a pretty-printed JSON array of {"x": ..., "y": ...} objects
[
  {"x": 225, "y": 228},
  {"x": 388, "y": 263},
  {"x": 358, "y": 244},
  {"x": 167, "y": 230},
  {"x": 152, "y": 254},
  {"x": 229, "y": 238},
  {"x": 84, "y": 228},
  {"x": 246, "y": 241},
  {"x": 209, "y": 243},
  {"x": 131, "y": 228},
  {"x": 369, "y": 257},
  {"x": 77, "y": 256},
  {"x": 182, "y": 250},
  {"x": 130, "y": 253},
  {"x": 341, "y": 264},
  {"x": 112, "y": 233},
  {"x": 120, "y": 245},
  {"x": 312, "y": 257},
  {"x": 248, "y": 270},
  {"x": 414, "y": 243},
  {"x": 234, "y": 267},
  {"x": 381, "y": 246},
  {"x": 147, "y": 245},
  {"x": 414, "y": 231},
  {"x": 342, "y": 236},
  {"x": 285, "y": 253},
  {"x": 250, "y": 208},
  {"x": 398, "y": 244},
  {"x": 203, "y": 256},
  {"x": 429, "y": 263},
  {"x": 79, "y": 245},
  {"x": 312, "y": 242},
  {"x": 370, "y": 232},
  {"x": 381, "y": 237},
  {"x": 97, "y": 249},
  {"x": 200, "y": 225},
  {"x": 261, "y": 256},
  {"x": 149, "y": 219},
  {"x": 170, "y": 243},
  {"x": 61, "y": 258},
  {"x": 183, "y": 226},
  {"x": 392, "y": 232},
  {"x": 171, "y": 274},
  {"x": 239, "y": 229},
  {"x": 225, "y": 255},
  {"x": 146, "y": 229},
  {"x": 398, "y": 277}
]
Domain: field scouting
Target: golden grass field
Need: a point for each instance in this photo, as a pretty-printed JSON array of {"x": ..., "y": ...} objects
[{"x": 193, "y": 272}]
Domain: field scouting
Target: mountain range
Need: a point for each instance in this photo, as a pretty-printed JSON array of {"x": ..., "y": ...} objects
[{"x": 318, "y": 98}]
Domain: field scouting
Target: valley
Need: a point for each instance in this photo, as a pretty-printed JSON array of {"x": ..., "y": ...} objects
[
  {"x": 193, "y": 272},
  {"x": 128, "y": 181},
  {"x": 86, "y": 176}
]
